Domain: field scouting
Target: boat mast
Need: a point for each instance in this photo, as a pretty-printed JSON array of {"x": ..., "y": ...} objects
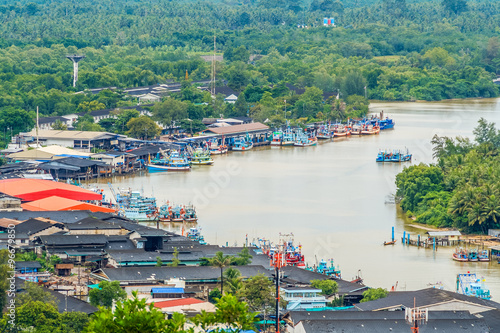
[{"x": 37, "y": 125}]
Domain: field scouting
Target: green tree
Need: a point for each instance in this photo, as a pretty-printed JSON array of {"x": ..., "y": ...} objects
[
  {"x": 169, "y": 111},
  {"x": 91, "y": 106},
  {"x": 59, "y": 126},
  {"x": 143, "y": 127},
  {"x": 159, "y": 263},
  {"x": 258, "y": 291},
  {"x": 373, "y": 294},
  {"x": 328, "y": 287},
  {"x": 454, "y": 6},
  {"x": 243, "y": 258},
  {"x": 4, "y": 274},
  {"x": 220, "y": 260},
  {"x": 34, "y": 293},
  {"x": 134, "y": 316},
  {"x": 230, "y": 315},
  {"x": 122, "y": 119},
  {"x": 175, "y": 260},
  {"x": 106, "y": 294},
  {"x": 233, "y": 281}
]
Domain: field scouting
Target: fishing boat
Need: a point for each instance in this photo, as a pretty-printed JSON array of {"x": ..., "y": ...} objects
[
  {"x": 293, "y": 254},
  {"x": 133, "y": 205},
  {"x": 370, "y": 129},
  {"x": 303, "y": 140},
  {"x": 194, "y": 234},
  {"x": 201, "y": 157},
  {"x": 277, "y": 138},
  {"x": 484, "y": 256},
  {"x": 460, "y": 255},
  {"x": 340, "y": 131},
  {"x": 177, "y": 214},
  {"x": 395, "y": 156},
  {"x": 164, "y": 213},
  {"x": 472, "y": 255},
  {"x": 215, "y": 148},
  {"x": 288, "y": 138},
  {"x": 468, "y": 284},
  {"x": 355, "y": 129},
  {"x": 242, "y": 144},
  {"x": 190, "y": 214},
  {"x": 390, "y": 243},
  {"x": 324, "y": 133},
  {"x": 175, "y": 162}
]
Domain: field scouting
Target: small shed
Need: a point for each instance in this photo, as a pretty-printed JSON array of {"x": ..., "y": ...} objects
[
  {"x": 450, "y": 236},
  {"x": 64, "y": 269}
]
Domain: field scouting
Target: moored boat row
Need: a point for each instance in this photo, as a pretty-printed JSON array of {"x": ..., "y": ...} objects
[{"x": 472, "y": 255}]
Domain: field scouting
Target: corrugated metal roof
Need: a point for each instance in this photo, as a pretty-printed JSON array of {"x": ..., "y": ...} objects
[
  {"x": 167, "y": 290},
  {"x": 444, "y": 233},
  {"x": 252, "y": 127},
  {"x": 177, "y": 302}
]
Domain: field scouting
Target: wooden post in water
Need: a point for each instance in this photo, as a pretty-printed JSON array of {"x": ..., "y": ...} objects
[
  {"x": 434, "y": 244},
  {"x": 418, "y": 241},
  {"x": 404, "y": 237},
  {"x": 393, "y": 234}
]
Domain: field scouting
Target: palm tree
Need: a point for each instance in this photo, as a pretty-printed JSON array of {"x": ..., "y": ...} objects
[
  {"x": 221, "y": 261},
  {"x": 233, "y": 280}
]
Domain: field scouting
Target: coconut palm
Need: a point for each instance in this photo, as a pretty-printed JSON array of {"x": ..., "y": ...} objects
[{"x": 221, "y": 261}]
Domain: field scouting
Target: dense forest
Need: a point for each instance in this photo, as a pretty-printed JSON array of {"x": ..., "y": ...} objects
[
  {"x": 384, "y": 50},
  {"x": 462, "y": 190}
]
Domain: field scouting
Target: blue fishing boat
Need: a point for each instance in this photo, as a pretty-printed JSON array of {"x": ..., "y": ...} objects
[
  {"x": 303, "y": 140},
  {"x": 242, "y": 144},
  {"x": 133, "y": 205},
  {"x": 395, "y": 156},
  {"x": 194, "y": 234},
  {"x": 472, "y": 255},
  {"x": 324, "y": 132},
  {"x": 288, "y": 137},
  {"x": 468, "y": 284},
  {"x": 190, "y": 214},
  {"x": 174, "y": 162},
  {"x": 484, "y": 256}
]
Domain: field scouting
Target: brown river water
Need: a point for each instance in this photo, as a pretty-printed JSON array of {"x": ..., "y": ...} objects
[{"x": 334, "y": 198}]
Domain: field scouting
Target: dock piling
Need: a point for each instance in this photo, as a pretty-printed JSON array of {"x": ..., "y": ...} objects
[{"x": 393, "y": 234}]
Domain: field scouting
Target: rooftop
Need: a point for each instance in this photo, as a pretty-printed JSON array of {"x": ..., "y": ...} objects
[
  {"x": 61, "y": 240},
  {"x": 251, "y": 127}
]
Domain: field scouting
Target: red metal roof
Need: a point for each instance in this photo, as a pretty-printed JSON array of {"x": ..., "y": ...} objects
[
  {"x": 35, "y": 189},
  {"x": 58, "y": 204},
  {"x": 177, "y": 302}
]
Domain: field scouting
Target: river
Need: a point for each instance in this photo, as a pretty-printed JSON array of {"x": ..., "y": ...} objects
[{"x": 334, "y": 197}]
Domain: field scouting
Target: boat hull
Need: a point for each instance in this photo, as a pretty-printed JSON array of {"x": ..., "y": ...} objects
[
  {"x": 275, "y": 143},
  {"x": 460, "y": 259},
  {"x": 218, "y": 152},
  {"x": 168, "y": 168},
  {"x": 242, "y": 148},
  {"x": 202, "y": 162}
]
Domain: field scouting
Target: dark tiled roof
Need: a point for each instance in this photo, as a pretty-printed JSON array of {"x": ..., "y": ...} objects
[
  {"x": 62, "y": 240},
  {"x": 27, "y": 264},
  {"x": 139, "y": 255},
  {"x": 92, "y": 223},
  {"x": 80, "y": 162},
  {"x": 302, "y": 276},
  {"x": 188, "y": 273},
  {"x": 424, "y": 297},
  {"x": 50, "y": 120},
  {"x": 59, "y": 216},
  {"x": 32, "y": 226},
  {"x": 225, "y": 90},
  {"x": 382, "y": 325}
]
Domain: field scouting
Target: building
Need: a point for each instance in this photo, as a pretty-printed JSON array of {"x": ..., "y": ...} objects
[
  {"x": 9, "y": 203},
  {"x": 94, "y": 226},
  {"x": 47, "y": 123},
  {"x": 450, "y": 237},
  {"x": 79, "y": 140},
  {"x": 303, "y": 298},
  {"x": 243, "y": 129},
  {"x": 188, "y": 306},
  {"x": 382, "y": 322}
]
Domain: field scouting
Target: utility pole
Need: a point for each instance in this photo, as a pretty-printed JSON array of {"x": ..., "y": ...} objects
[{"x": 278, "y": 261}]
